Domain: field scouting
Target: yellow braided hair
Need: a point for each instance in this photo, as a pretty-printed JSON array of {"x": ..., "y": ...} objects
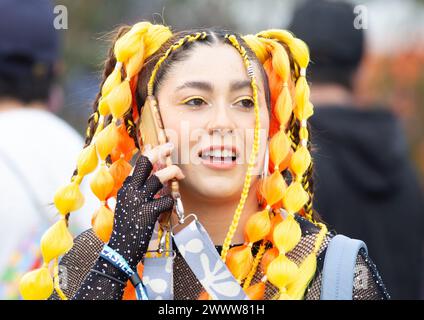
[
  {"x": 272, "y": 48},
  {"x": 130, "y": 51}
]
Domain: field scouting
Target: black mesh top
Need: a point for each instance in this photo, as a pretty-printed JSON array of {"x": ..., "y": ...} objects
[{"x": 78, "y": 282}]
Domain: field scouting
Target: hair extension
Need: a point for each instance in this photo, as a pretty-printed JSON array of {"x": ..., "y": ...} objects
[
  {"x": 255, "y": 234},
  {"x": 307, "y": 181},
  {"x": 280, "y": 271},
  {"x": 131, "y": 47}
]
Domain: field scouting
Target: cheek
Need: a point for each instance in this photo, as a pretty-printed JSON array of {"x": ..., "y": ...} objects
[
  {"x": 182, "y": 128},
  {"x": 248, "y": 125}
]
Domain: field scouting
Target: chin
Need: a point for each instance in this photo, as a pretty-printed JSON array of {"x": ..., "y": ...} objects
[
  {"x": 214, "y": 192},
  {"x": 215, "y": 187}
]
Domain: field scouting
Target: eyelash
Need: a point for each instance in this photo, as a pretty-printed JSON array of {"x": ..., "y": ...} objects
[
  {"x": 247, "y": 99},
  {"x": 186, "y": 102},
  {"x": 192, "y": 99}
]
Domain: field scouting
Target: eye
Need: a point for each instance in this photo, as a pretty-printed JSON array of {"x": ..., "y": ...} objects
[
  {"x": 246, "y": 103},
  {"x": 194, "y": 101}
]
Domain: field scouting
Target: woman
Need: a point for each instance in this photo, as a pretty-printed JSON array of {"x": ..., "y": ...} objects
[{"x": 220, "y": 96}]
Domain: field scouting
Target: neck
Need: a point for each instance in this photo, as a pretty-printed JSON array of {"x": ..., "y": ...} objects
[
  {"x": 331, "y": 95},
  {"x": 7, "y": 104},
  {"x": 217, "y": 215}
]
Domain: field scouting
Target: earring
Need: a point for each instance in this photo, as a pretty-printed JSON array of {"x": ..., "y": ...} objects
[
  {"x": 266, "y": 163},
  {"x": 264, "y": 174}
]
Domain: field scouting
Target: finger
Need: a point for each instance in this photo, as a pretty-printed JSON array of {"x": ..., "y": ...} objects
[
  {"x": 151, "y": 187},
  {"x": 157, "y": 206},
  {"x": 159, "y": 152},
  {"x": 144, "y": 164},
  {"x": 169, "y": 173},
  {"x": 141, "y": 171}
]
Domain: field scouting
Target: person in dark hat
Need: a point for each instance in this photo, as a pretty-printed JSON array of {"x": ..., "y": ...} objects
[
  {"x": 367, "y": 186},
  {"x": 29, "y": 50},
  {"x": 31, "y": 169}
]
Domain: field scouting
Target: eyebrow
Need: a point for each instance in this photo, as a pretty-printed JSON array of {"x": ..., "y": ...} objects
[{"x": 207, "y": 86}]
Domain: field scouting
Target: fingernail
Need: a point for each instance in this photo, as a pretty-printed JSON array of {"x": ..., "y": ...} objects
[{"x": 169, "y": 145}]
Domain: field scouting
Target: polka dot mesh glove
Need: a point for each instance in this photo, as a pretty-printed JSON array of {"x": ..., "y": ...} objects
[
  {"x": 135, "y": 215},
  {"x": 137, "y": 211}
]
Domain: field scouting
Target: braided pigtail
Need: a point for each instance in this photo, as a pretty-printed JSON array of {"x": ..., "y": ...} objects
[
  {"x": 296, "y": 289},
  {"x": 107, "y": 138},
  {"x": 307, "y": 181},
  {"x": 240, "y": 259},
  {"x": 130, "y": 50},
  {"x": 273, "y": 188},
  {"x": 289, "y": 151}
]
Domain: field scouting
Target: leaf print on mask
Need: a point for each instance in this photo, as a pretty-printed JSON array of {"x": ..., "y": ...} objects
[
  {"x": 213, "y": 280},
  {"x": 193, "y": 246},
  {"x": 156, "y": 285}
]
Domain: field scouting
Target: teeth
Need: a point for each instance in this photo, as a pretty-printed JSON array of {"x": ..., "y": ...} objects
[{"x": 219, "y": 153}]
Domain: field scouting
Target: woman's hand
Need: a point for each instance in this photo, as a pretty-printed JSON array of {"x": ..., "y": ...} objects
[
  {"x": 135, "y": 216},
  {"x": 136, "y": 209}
]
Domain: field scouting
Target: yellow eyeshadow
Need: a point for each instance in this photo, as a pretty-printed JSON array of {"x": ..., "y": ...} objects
[
  {"x": 191, "y": 98},
  {"x": 245, "y": 98}
]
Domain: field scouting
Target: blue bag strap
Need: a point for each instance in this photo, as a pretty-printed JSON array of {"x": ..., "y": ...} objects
[{"x": 339, "y": 268}]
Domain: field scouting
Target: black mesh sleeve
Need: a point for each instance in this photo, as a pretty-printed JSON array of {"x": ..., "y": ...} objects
[
  {"x": 368, "y": 284},
  {"x": 76, "y": 264}
]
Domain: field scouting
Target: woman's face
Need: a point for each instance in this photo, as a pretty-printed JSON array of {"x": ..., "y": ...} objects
[{"x": 206, "y": 102}]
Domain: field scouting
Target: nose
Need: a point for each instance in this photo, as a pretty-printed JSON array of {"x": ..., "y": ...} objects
[{"x": 221, "y": 121}]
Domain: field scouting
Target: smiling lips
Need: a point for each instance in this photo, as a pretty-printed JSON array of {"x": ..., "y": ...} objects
[{"x": 219, "y": 157}]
